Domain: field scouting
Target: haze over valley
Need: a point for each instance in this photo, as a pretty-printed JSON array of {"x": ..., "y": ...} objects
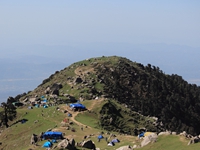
[{"x": 23, "y": 71}]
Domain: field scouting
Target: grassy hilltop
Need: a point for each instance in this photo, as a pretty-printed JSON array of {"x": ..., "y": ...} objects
[{"x": 122, "y": 97}]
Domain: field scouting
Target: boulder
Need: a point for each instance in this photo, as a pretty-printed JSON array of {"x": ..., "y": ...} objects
[
  {"x": 164, "y": 133},
  {"x": 78, "y": 80},
  {"x": 88, "y": 144},
  {"x": 66, "y": 144},
  {"x": 72, "y": 142},
  {"x": 34, "y": 139},
  {"x": 194, "y": 140},
  {"x": 128, "y": 147},
  {"x": 149, "y": 139},
  {"x": 174, "y": 133},
  {"x": 183, "y": 134}
]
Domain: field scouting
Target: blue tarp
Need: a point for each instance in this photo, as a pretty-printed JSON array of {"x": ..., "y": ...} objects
[
  {"x": 47, "y": 144},
  {"x": 77, "y": 105},
  {"x": 52, "y": 135}
]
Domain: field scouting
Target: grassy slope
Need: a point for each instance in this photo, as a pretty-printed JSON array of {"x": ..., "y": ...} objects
[
  {"x": 171, "y": 142},
  {"x": 18, "y": 135}
]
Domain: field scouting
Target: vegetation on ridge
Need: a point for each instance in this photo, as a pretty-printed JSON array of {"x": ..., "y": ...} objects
[
  {"x": 143, "y": 89},
  {"x": 123, "y": 97}
]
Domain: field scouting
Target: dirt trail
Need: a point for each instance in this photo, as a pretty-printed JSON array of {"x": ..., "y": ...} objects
[
  {"x": 81, "y": 71},
  {"x": 75, "y": 113}
]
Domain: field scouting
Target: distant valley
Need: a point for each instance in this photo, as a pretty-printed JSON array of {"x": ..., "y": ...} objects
[{"x": 24, "y": 69}]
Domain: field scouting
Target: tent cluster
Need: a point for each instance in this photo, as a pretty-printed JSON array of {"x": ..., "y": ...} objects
[
  {"x": 53, "y": 136},
  {"x": 111, "y": 143}
]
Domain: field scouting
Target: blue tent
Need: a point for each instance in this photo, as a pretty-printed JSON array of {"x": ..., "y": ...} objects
[
  {"x": 37, "y": 105},
  {"x": 45, "y": 101},
  {"x": 54, "y": 141},
  {"x": 100, "y": 136},
  {"x": 23, "y": 121},
  {"x": 30, "y": 107},
  {"x": 52, "y": 135},
  {"x": 77, "y": 105},
  {"x": 47, "y": 144},
  {"x": 141, "y": 134},
  {"x": 45, "y": 106},
  {"x": 69, "y": 115},
  {"x": 115, "y": 141}
]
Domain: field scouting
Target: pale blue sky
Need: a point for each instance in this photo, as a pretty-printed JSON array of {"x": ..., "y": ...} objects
[
  {"x": 64, "y": 22},
  {"x": 40, "y": 36}
]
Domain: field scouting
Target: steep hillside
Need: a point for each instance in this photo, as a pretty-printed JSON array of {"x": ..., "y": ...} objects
[{"x": 138, "y": 88}]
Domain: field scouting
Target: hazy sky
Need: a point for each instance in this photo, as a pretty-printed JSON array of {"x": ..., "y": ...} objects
[
  {"x": 33, "y": 33},
  {"x": 71, "y": 22}
]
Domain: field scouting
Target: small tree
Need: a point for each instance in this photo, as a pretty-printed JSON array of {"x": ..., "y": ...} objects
[{"x": 9, "y": 113}]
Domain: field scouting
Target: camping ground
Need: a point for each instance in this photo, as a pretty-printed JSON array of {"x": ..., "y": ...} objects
[{"x": 18, "y": 135}]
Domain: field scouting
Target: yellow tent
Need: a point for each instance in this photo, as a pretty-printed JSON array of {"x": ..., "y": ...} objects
[{"x": 147, "y": 133}]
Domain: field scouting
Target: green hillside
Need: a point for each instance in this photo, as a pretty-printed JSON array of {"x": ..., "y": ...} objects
[
  {"x": 18, "y": 135},
  {"x": 122, "y": 97}
]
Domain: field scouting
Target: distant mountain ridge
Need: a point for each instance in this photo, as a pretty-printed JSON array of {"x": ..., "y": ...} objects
[{"x": 143, "y": 89}]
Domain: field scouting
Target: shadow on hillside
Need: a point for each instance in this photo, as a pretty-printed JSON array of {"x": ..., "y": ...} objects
[{"x": 22, "y": 121}]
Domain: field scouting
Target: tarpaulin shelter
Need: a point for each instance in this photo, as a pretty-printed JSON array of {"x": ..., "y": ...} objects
[
  {"x": 52, "y": 135},
  {"x": 77, "y": 105}
]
